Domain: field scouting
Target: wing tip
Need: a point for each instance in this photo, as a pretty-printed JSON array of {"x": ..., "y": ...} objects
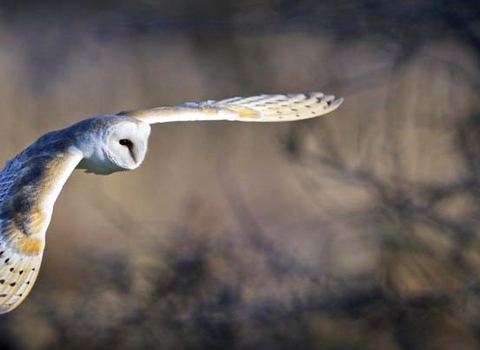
[
  {"x": 17, "y": 279},
  {"x": 335, "y": 103}
]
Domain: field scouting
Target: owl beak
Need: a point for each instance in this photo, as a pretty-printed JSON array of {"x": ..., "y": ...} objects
[{"x": 132, "y": 154}]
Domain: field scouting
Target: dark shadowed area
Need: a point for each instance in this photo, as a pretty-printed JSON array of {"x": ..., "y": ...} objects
[{"x": 358, "y": 230}]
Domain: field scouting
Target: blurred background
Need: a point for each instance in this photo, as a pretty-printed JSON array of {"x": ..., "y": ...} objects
[{"x": 358, "y": 230}]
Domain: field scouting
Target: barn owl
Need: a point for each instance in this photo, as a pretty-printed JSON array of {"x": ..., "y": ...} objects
[{"x": 31, "y": 181}]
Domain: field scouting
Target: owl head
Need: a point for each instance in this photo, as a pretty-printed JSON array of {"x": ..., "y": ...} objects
[{"x": 112, "y": 143}]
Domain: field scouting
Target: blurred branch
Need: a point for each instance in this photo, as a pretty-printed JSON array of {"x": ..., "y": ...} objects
[{"x": 281, "y": 262}]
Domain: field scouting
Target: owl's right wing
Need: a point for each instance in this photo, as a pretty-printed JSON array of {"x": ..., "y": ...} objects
[
  {"x": 261, "y": 108},
  {"x": 29, "y": 186}
]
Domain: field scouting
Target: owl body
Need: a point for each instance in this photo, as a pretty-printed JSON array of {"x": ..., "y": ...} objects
[{"x": 31, "y": 182}]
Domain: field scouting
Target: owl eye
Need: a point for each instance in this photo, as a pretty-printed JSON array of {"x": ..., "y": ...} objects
[
  {"x": 129, "y": 144},
  {"x": 126, "y": 142}
]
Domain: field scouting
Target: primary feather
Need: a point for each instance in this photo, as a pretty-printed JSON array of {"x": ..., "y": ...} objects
[{"x": 261, "y": 108}]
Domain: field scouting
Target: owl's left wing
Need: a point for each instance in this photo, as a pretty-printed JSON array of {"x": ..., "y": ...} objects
[
  {"x": 261, "y": 108},
  {"x": 29, "y": 186}
]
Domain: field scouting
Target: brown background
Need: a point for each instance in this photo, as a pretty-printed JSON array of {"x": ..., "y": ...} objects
[{"x": 358, "y": 230}]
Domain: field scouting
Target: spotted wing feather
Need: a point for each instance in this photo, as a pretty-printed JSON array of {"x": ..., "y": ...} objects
[
  {"x": 29, "y": 186},
  {"x": 261, "y": 108}
]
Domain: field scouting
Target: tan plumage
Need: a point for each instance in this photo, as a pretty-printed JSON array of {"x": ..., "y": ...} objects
[
  {"x": 262, "y": 108},
  {"x": 27, "y": 201},
  {"x": 31, "y": 182}
]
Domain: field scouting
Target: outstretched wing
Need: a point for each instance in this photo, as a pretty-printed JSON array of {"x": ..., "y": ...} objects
[
  {"x": 29, "y": 186},
  {"x": 262, "y": 108}
]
